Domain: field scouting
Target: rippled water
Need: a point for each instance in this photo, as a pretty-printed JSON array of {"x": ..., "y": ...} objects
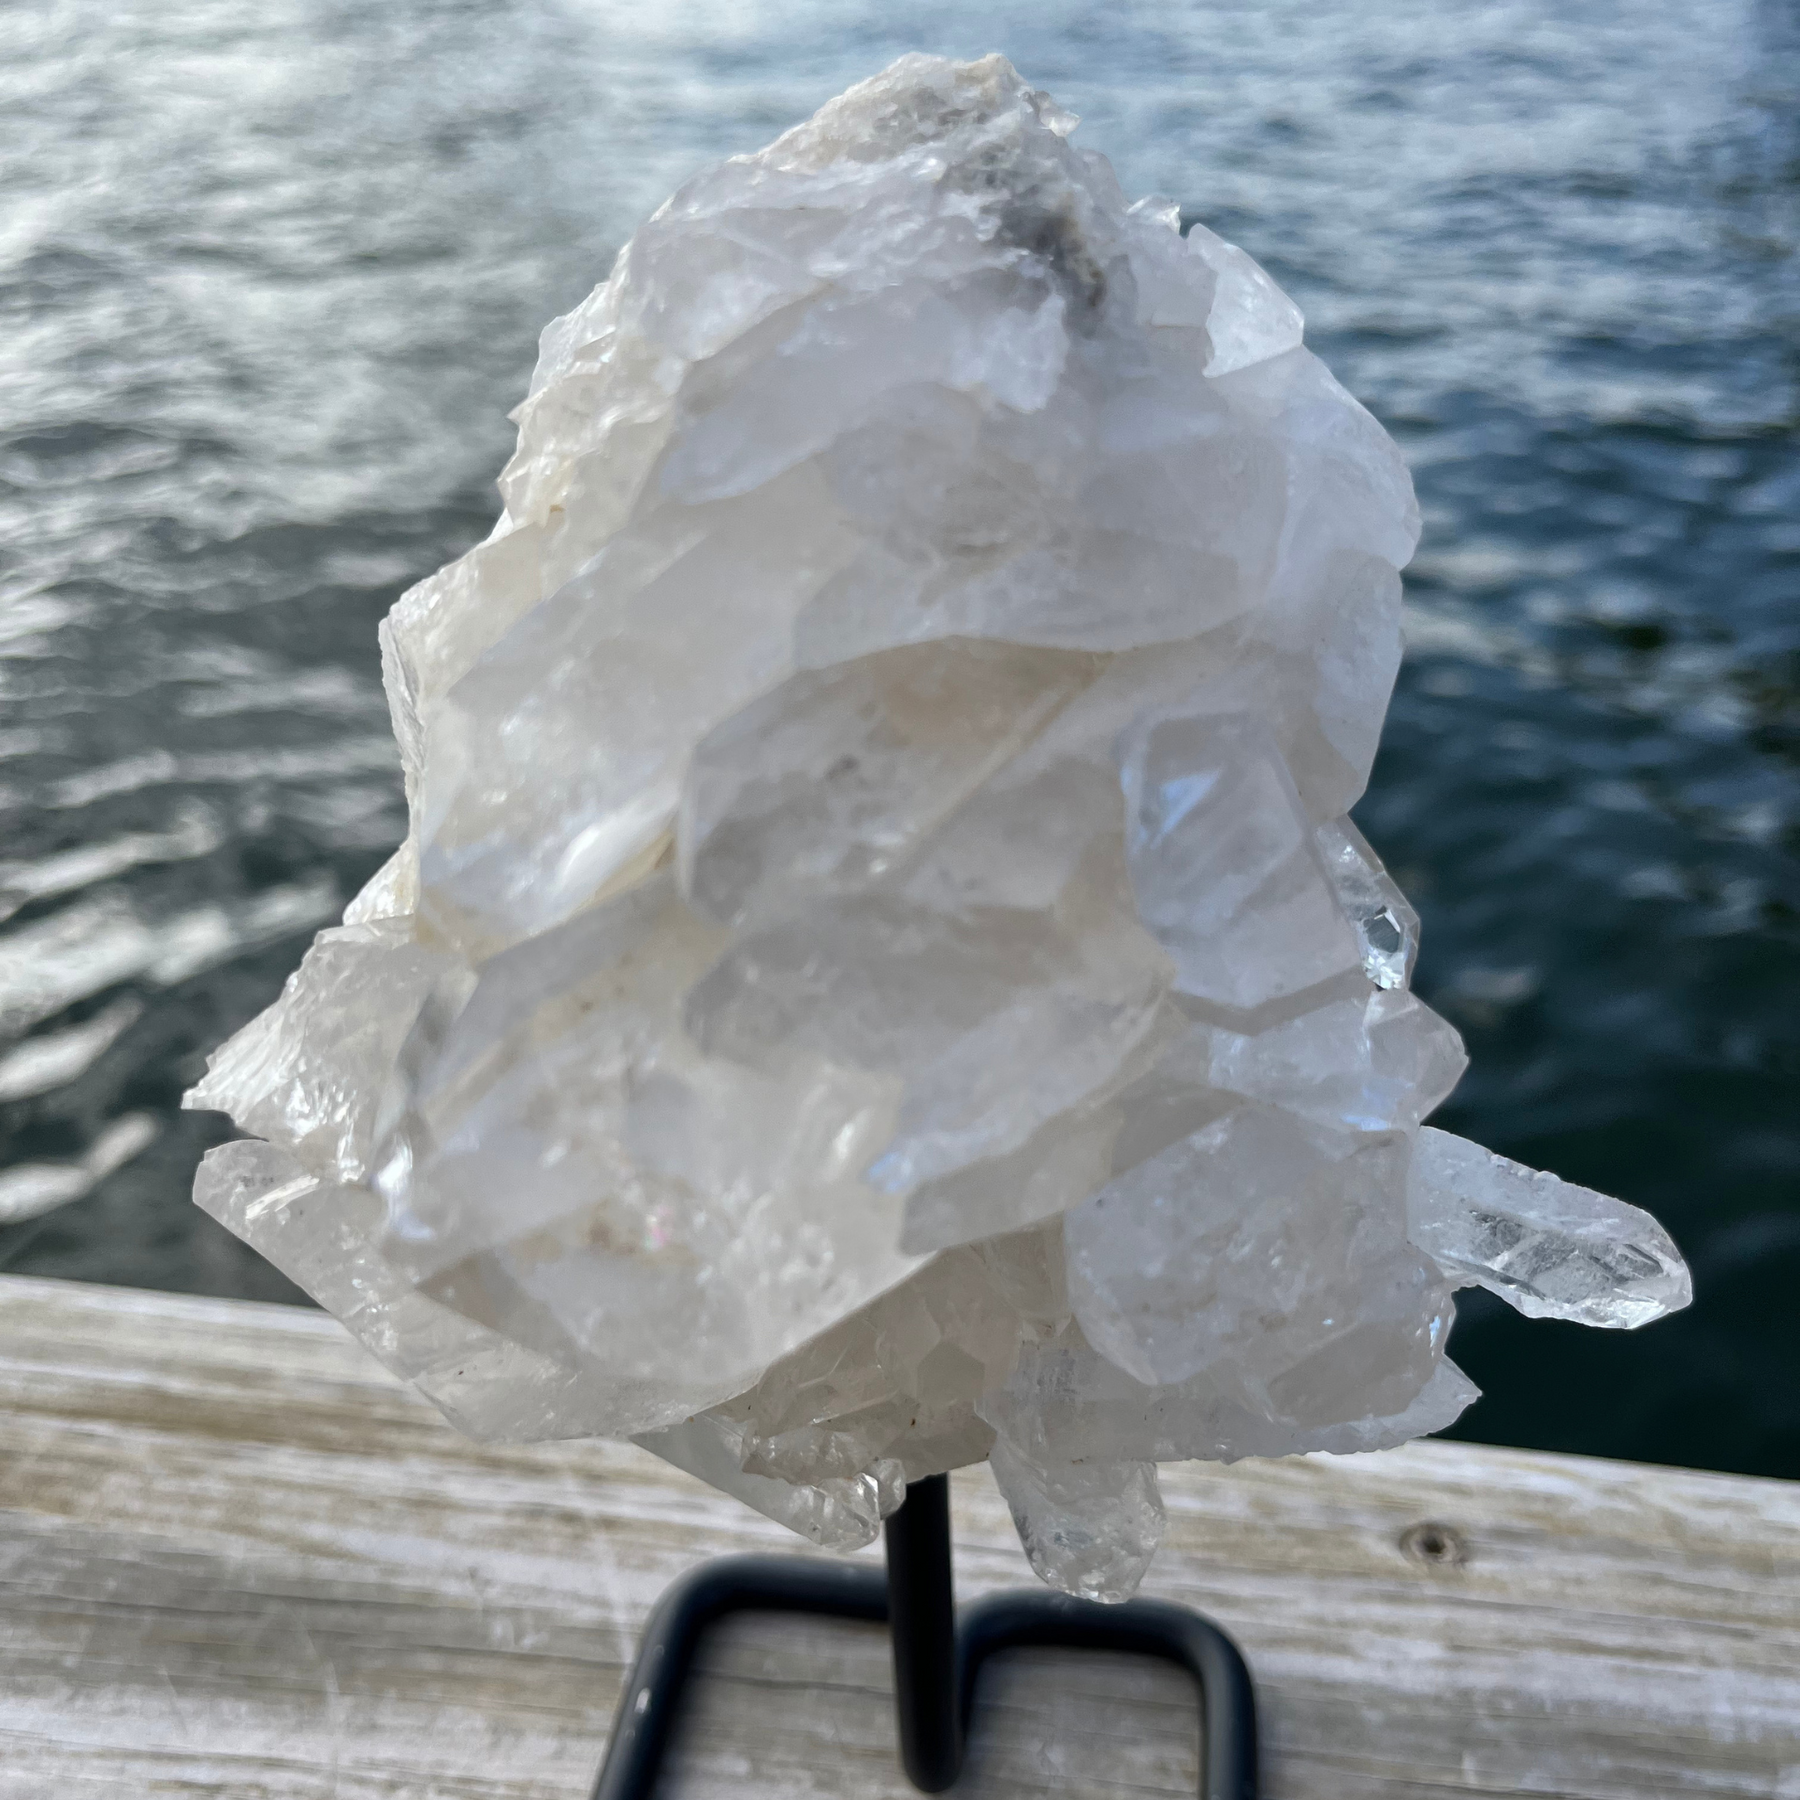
[{"x": 271, "y": 276}]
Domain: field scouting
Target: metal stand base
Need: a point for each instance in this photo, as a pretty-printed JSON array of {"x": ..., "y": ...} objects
[{"x": 936, "y": 1655}]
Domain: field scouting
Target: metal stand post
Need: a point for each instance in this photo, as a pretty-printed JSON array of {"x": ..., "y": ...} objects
[{"x": 936, "y": 1656}]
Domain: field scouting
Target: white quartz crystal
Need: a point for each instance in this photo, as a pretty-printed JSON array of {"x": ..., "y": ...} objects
[
  {"x": 1089, "y": 1528},
  {"x": 1553, "y": 1250},
  {"x": 879, "y": 976}
]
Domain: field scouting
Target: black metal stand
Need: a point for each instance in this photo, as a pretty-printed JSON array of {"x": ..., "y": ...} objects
[{"x": 936, "y": 1657}]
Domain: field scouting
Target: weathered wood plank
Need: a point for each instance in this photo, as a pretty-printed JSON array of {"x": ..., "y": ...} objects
[{"x": 239, "y": 1560}]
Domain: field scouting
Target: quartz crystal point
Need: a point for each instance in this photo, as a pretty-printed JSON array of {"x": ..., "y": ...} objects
[
  {"x": 1553, "y": 1250},
  {"x": 880, "y": 976}
]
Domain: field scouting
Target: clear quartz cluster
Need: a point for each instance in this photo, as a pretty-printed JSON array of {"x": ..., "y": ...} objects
[{"x": 880, "y": 976}]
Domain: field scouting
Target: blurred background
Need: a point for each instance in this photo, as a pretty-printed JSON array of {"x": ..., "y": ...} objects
[{"x": 272, "y": 275}]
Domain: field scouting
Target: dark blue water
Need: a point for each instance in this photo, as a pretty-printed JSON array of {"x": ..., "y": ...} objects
[{"x": 271, "y": 276}]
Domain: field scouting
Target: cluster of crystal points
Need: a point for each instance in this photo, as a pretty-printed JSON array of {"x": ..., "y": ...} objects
[{"x": 880, "y": 976}]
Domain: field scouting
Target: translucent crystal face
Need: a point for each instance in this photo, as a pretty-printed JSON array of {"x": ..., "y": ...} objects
[{"x": 879, "y": 976}]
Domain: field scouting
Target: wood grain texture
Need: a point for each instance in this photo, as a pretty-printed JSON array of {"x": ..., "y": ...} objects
[{"x": 238, "y": 1559}]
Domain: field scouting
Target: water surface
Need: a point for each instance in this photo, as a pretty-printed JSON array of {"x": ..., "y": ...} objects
[{"x": 271, "y": 277}]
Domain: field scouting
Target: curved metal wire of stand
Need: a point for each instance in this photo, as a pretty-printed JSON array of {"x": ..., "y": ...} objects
[{"x": 936, "y": 1656}]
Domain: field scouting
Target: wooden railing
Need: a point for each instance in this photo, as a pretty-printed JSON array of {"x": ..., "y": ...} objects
[{"x": 237, "y": 1559}]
